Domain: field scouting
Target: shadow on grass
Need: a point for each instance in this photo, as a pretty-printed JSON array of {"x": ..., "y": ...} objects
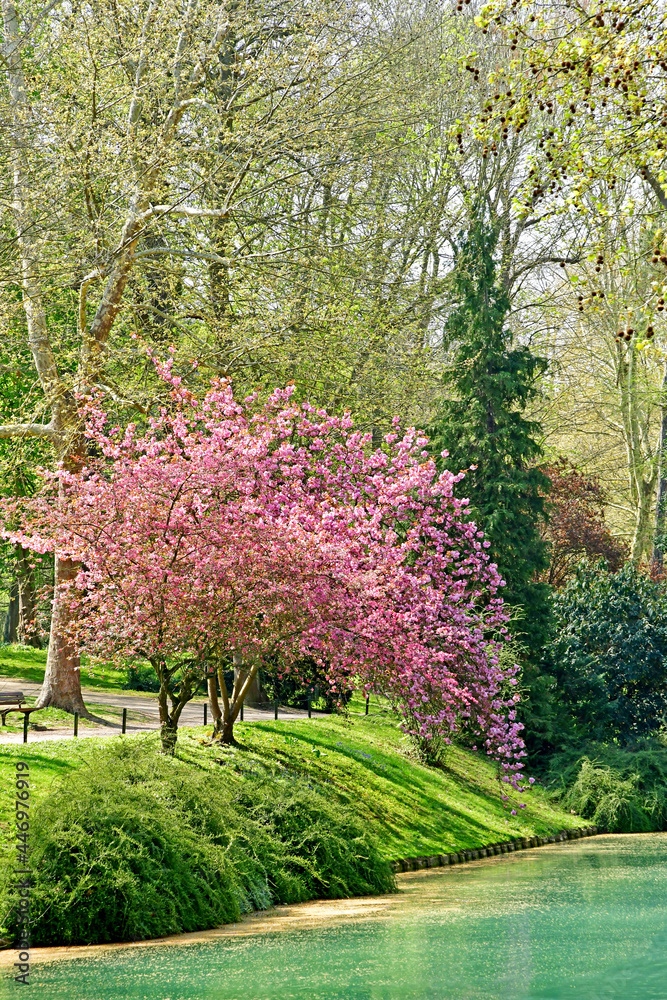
[{"x": 438, "y": 806}]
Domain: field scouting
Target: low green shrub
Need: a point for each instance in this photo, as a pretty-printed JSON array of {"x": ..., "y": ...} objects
[
  {"x": 141, "y": 678},
  {"x": 296, "y": 690},
  {"x": 139, "y": 845},
  {"x": 328, "y": 849},
  {"x": 620, "y": 790}
]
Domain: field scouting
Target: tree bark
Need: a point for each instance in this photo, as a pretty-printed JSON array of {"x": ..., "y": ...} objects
[
  {"x": 168, "y": 724},
  {"x": 10, "y": 633},
  {"x": 62, "y": 679},
  {"x": 254, "y": 696},
  {"x": 216, "y": 713},
  {"x": 169, "y": 736},
  {"x": 661, "y": 505},
  {"x": 244, "y": 681},
  {"x": 62, "y": 683},
  {"x": 227, "y": 731},
  {"x": 27, "y": 633}
]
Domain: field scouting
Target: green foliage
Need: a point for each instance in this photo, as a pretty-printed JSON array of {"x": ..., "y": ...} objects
[
  {"x": 607, "y": 659},
  {"x": 621, "y": 791},
  {"x": 482, "y": 423},
  {"x": 329, "y": 852},
  {"x": 547, "y": 724},
  {"x": 137, "y": 845},
  {"x": 295, "y": 689},
  {"x": 141, "y": 678}
]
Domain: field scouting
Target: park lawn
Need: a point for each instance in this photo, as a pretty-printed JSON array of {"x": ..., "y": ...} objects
[
  {"x": 22, "y": 661},
  {"x": 29, "y": 665},
  {"x": 365, "y": 761}
]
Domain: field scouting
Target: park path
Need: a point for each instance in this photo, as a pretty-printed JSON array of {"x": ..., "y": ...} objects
[{"x": 144, "y": 706}]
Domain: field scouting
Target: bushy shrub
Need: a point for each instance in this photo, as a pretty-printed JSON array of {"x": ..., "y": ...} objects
[
  {"x": 607, "y": 660},
  {"x": 295, "y": 689},
  {"x": 142, "y": 678},
  {"x": 139, "y": 845},
  {"x": 620, "y": 790},
  {"x": 327, "y": 848}
]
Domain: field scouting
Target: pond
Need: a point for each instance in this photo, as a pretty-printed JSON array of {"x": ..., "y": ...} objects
[{"x": 585, "y": 920}]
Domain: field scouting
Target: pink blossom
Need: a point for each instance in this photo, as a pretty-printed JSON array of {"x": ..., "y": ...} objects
[{"x": 276, "y": 533}]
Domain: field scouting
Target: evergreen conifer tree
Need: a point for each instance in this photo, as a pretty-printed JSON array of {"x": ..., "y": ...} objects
[{"x": 481, "y": 422}]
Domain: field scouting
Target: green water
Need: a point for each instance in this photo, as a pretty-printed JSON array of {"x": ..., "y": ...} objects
[{"x": 585, "y": 920}]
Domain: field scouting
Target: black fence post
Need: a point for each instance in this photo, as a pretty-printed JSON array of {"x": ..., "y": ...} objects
[
  {"x": 124, "y": 729},
  {"x": 25, "y": 727},
  {"x": 241, "y": 711},
  {"x": 76, "y": 723},
  {"x": 310, "y": 709},
  {"x": 205, "y": 712},
  {"x": 368, "y": 698},
  {"x": 275, "y": 709}
]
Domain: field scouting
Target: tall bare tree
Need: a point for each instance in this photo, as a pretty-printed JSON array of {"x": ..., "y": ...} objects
[{"x": 111, "y": 113}]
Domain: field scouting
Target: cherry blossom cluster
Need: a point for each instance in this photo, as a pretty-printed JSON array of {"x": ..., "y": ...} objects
[{"x": 276, "y": 531}]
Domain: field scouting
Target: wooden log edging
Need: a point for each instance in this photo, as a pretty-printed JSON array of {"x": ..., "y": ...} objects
[{"x": 507, "y": 847}]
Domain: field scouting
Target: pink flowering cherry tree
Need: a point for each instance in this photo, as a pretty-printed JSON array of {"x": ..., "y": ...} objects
[{"x": 266, "y": 534}]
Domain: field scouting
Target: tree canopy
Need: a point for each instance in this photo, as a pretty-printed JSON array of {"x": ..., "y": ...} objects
[{"x": 274, "y": 534}]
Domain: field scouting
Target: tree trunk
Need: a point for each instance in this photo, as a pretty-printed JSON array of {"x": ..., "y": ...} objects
[
  {"x": 641, "y": 541},
  {"x": 27, "y": 633},
  {"x": 10, "y": 633},
  {"x": 227, "y": 731},
  {"x": 168, "y": 724},
  {"x": 223, "y": 726},
  {"x": 169, "y": 736},
  {"x": 244, "y": 681},
  {"x": 62, "y": 683},
  {"x": 661, "y": 505},
  {"x": 62, "y": 680},
  {"x": 254, "y": 696},
  {"x": 216, "y": 713}
]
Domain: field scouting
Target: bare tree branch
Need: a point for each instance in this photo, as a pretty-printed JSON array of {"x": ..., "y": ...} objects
[
  {"x": 655, "y": 184},
  {"x": 47, "y": 431}
]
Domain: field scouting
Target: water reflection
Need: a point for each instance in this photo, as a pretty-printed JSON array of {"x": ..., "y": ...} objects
[{"x": 584, "y": 920}]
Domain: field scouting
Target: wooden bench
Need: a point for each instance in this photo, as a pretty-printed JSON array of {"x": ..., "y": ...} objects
[{"x": 15, "y": 700}]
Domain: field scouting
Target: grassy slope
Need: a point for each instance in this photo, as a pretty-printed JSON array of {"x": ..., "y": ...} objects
[{"x": 413, "y": 809}]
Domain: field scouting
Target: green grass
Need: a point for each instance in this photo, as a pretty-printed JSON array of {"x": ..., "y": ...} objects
[
  {"x": 24, "y": 662},
  {"x": 56, "y": 718},
  {"x": 366, "y": 762},
  {"x": 28, "y": 664},
  {"x": 297, "y": 810},
  {"x": 363, "y": 762}
]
